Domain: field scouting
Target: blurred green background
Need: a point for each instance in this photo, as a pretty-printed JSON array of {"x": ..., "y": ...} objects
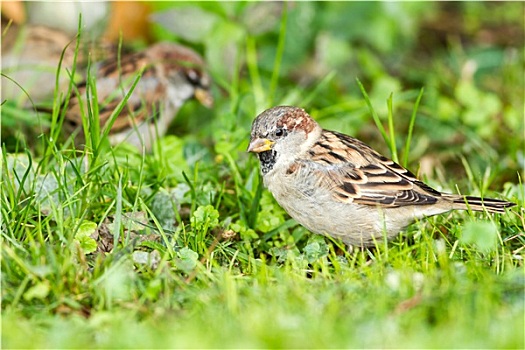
[{"x": 468, "y": 56}]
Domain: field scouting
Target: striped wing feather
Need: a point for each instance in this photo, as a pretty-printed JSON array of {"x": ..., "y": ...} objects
[
  {"x": 356, "y": 173},
  {"x": 111, "y": 90}
]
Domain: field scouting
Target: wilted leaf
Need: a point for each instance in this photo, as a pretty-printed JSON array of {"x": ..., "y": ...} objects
[
  {"x": 128, "y": 20},
  {"x": 14, "y": 10},
  {"x": 151, "y": 259},
  {"x": 262, "y": 17}
]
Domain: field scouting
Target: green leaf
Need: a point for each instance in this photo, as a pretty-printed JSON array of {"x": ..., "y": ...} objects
[
  {"x": 315, "y": 249},
  {"x": 190, "y": 23},
  {"x": 187, "y": 259},
  {"x": 83, "y": 236},
  {"x": 205, "y": 217},
  {"x": 38, "y": 291}
]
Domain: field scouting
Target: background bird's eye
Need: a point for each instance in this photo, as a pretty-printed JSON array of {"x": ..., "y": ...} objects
[{"x": 193, "y": 76}]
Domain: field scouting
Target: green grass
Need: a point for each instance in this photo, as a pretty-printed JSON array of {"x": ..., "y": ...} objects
[{"x": 205, "y": 257}]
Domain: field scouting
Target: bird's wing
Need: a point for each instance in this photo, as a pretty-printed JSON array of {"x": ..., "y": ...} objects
[
  {"x": 356, "y": 173},
  {"x": 113, "y": 83}
]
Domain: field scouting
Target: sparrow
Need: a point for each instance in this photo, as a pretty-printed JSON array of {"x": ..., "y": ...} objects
[
  {"x": 336, "y": 185},
  {"x": 171, "y": 75}
]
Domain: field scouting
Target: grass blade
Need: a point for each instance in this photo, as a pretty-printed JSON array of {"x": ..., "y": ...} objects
[
  {"x": 392, "y": 139},
  {"x": 251, "y": 60},
  {"x": 411, "y": 127},
  {"x": 373, "y": 112}
]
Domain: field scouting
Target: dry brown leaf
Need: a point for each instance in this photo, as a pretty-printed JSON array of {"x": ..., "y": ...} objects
[
  {"x": 14, "y": 11},
  {"x": 129, "y": 18}
]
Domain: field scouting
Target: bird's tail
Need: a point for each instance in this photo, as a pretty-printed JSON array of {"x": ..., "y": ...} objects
[{"x": 478, "y": 204}]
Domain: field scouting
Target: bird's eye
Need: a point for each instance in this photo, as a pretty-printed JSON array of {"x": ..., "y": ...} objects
[
  {"x": 280, "y": 132},
  {"x": 193, "y": 76}
]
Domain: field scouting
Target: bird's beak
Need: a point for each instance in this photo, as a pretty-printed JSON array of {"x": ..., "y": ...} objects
[
  {"x": 260, "y": 145},
  {"x": 204, "y": 97}
]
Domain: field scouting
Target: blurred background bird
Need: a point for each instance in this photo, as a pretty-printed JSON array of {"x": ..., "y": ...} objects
[
  {"x": 171, "y": 74},
  {"x": 38, "y": 41}
]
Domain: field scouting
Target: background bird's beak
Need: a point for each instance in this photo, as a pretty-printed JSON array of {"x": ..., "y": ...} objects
[
  {"x": 204, "y": 97},
  {"x": 260, "y": 145}
]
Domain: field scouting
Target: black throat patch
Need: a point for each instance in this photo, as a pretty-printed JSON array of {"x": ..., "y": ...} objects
[{"x": 267, "y": 160}]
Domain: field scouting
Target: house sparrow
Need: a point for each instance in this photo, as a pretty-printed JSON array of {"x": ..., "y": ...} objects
[
  {"x": 172, "y": 74},
  {"x": 336, "y": 185}
]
